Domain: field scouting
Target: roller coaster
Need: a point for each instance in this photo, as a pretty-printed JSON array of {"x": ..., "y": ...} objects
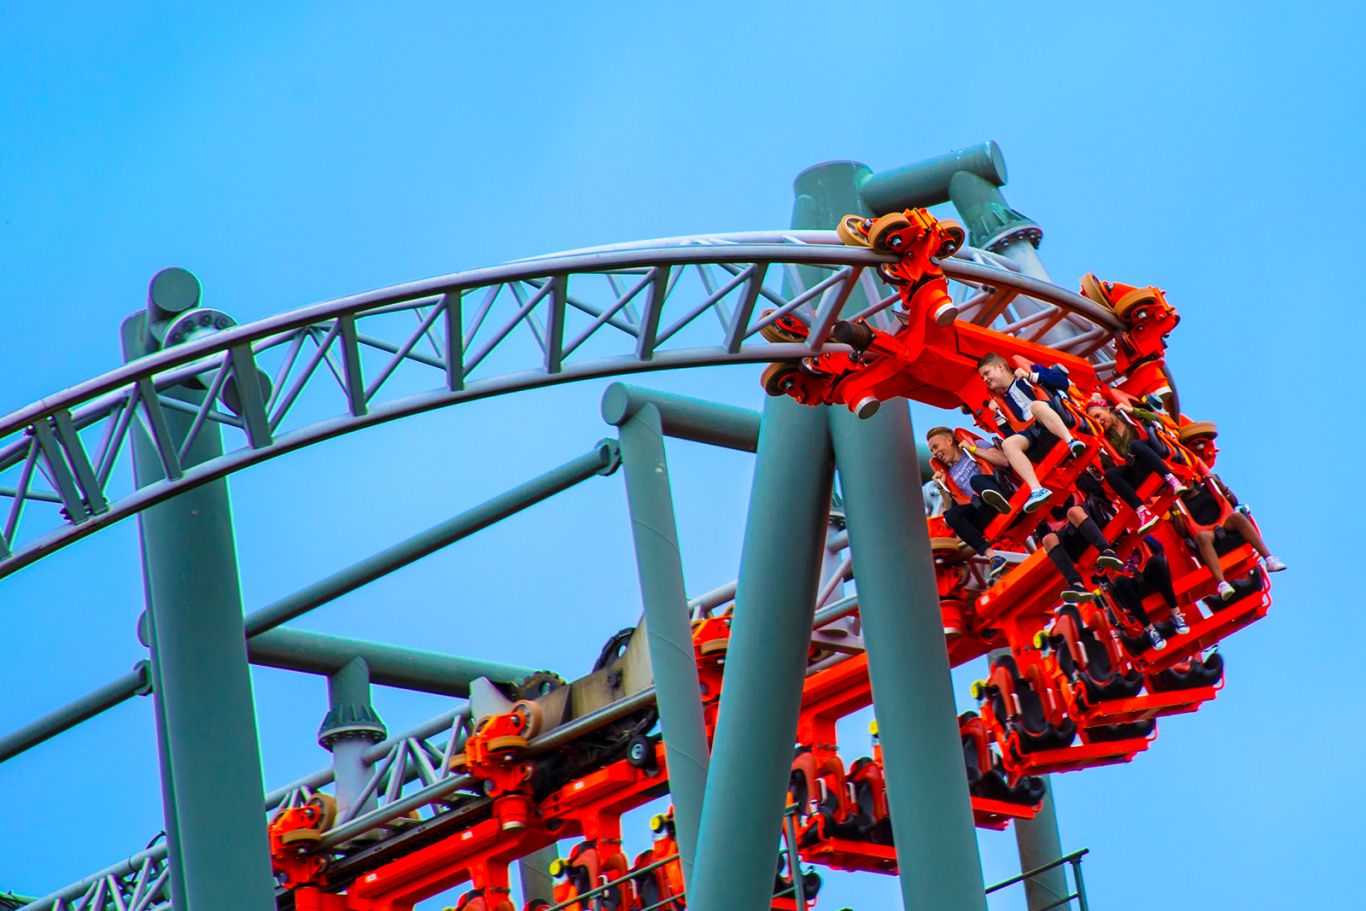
[{"x": 1077, "y": 542}]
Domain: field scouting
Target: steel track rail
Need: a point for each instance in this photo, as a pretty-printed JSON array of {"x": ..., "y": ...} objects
[{"x": 61, "y": 451}]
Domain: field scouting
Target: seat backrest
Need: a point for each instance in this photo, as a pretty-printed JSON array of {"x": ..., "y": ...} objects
[
  {"x": 1033, "y": 713},
  {"x": 1068, "y": 628},
  {"x": 976, "y": 752}
]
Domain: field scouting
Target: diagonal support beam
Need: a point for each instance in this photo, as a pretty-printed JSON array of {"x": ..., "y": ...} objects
[
  {"x": 774, "y": 609},
  {"x": 908, "y": 665},
  {"x": 667, "y": 620}
]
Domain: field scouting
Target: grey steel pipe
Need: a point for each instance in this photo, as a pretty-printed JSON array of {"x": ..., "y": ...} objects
[
  {"x": 908, "y": 664},
  {"x": 602, "y": 460},
  {"x": 350, "y": 726},
  {"x": 649, "y": 496},
  {"x": 211, "y": 777},
  {"x": 390, "y": 665},
  {"x": 136, "y": 682},
  {"x": 685, "y": 417},
  {"x": 926, "y": 183},
  {"x": 770, "y": 633}
]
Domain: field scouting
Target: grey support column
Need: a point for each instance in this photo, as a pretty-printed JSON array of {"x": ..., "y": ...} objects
[
  {"x": 927, "y": 788},
  {"x": 349, "y": 729},
  {"x": 206, "y": 719},
  {"x": 1038, "y": 840},
  {"x": 971, "y": 179},
  {"x": 534, "y": 872},
  {"x": 1039, "y": 843},
  {"x": 766, "y": 662},
  {"x": 667, "y": 621}
]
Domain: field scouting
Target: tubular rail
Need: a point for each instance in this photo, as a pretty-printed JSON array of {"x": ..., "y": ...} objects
[{"x": 370, "y": 358}]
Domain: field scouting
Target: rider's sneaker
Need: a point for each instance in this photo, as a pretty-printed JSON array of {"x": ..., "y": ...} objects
[
  {"x": 1146, "y": 519},
  {"x": 996, "y": 569},
  {"x": 1108, "y": 559},
  {"x": 1175, "y": 484},
  {"x": 996, "y": 500},
  {"x": 1275, "y": 564},
  {"x": 1037, "y": 498},
  {"x": 1077, "y": 592},
  {"x": 1156, "y": 639},
  {"x": 1075, "y": 448},
  {"x": 1179, "y": 622},
  {"x": 1225, "y": 591}
]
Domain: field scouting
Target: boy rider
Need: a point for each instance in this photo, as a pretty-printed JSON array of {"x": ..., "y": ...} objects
[
  {"x": 1029, "y": 424},
  {"x": 977, "y": 496}
]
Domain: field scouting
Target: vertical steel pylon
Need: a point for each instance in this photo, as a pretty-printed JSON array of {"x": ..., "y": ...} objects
[
  {"x": 775, "y": 604},
  {"x": 971, "y": 179},
  {"x": 206, "y": 720}
]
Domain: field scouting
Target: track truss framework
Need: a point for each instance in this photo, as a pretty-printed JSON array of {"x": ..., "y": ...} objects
[{"x": 370, "y": 358}]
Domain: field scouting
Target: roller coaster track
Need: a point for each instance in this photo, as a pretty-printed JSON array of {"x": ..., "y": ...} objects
[
  {"x": 370, "y": 358},
  {"x": 363, "y": 360}
]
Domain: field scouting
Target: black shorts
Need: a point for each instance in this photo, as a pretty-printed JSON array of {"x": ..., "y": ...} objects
[
  {"x": 1040, "y": 440},
  {"x": 1069, "y": 539},
  {"x": 1203, "y": 507},
  {"x": 1073, "y": 543}
]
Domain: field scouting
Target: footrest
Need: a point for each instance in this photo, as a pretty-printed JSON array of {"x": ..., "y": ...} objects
[
  {"x": 997, "y": 814},
  {"x": 1149, "y": 705},
  {"x": 1080, "y": 756},
  {"x": 847, "y": 854}
]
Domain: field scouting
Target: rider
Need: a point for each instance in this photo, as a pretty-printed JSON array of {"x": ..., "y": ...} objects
[
  {"x": 1139, "y": 458},
  {"x": 1066, "y": 531},
  {"x": 1201, "y": 503},
  {"x": 1031, "y": 425},
  {"x": 977, "y": 495},
  {"x": 1145, "y": 571}
]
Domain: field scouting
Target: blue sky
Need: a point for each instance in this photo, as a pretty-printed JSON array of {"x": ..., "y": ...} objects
[{"x": 293, "y": 154}]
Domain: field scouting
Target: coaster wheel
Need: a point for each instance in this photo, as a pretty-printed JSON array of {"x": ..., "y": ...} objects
[
  {"x": 950, "y": 550},
  {"x": 953, "y": 242},
  {"x": 777, "y": 379},
  {"x": 508, "y": 743},
  {"x": 779, "y": 334},
  {"x": 1093, "y": 289},
  {"x": 1136, "y": 298},
  {"x": 301, "y": 838},
  {"x": 714, "y": 647},
  {"x": 325, "y": 806},
  {"x": 889, "y": 275},
  {"x": 531, "y": 715},
  {"x": 460, "y": 763},
  {"x": 882, "y": 235},
  {"x": 1197, "y": 430},
  {"x": 853, "y": 230}
]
